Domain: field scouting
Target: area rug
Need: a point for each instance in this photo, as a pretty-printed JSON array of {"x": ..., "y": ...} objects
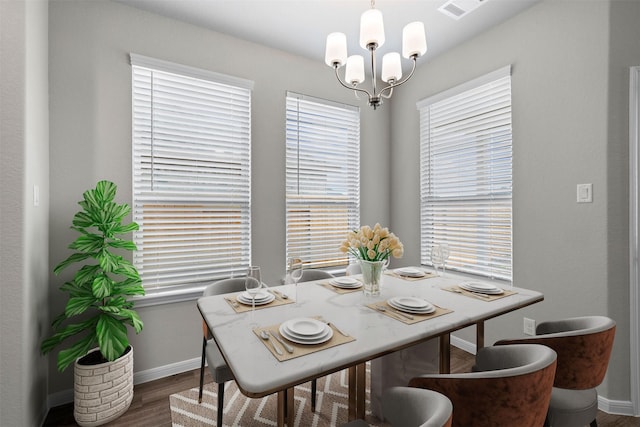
[{"x": 240, "y": 411}]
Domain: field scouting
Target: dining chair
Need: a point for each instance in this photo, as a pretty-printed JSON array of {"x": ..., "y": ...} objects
[
  {"x": 218, "y": 367},
  {"x": 353, "y": 269},
  {"x": 413, "y": 407},
  {"x": 308, "y": 276},
  {"x": 509, "y": 386},
  {"x": 583, "y": 345}
]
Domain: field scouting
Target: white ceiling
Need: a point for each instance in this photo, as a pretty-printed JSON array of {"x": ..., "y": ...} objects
[{"x": 301, "y": 26}]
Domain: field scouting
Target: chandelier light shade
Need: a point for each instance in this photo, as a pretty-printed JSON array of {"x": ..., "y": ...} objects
[{"x": 414, "y": 45}]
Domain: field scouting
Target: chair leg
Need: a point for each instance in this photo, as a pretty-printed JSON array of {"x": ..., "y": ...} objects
[
  {"x": 204, "y": 348},
  {"x": 594, "y": 423},
  {"x": 220, "y": 404},
  {"x": 314, "y": 387}
]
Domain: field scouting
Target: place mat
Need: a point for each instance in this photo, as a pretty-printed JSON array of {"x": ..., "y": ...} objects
[
  {"x": 428, "y": 275},
  {"x": 241, "y": 308},
  {"x": 416, "y": 317},
  {"x": 484, "y": 297},
  {"x": 339, "y": 290},
  {"x": 300, "y": 349}
]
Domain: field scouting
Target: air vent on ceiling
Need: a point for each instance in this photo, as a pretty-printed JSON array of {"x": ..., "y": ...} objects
[{"x": 456, "y": 9}]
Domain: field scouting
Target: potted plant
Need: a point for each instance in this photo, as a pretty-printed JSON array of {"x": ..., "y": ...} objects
[{"x": 98, "y": 301}]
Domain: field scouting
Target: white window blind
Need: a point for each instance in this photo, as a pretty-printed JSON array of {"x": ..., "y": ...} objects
[
  {"x": 466, "y": 176},
  {"x": 191, "y": 174},
  {"x": 323, "y": 179}
]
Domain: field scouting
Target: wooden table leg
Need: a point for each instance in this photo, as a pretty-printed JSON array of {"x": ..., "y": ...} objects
[
  {"x": 280, "y": 412},
  {"x": 351, "y": 414},
  {"x": 357, "y": 391},
  {"x": 291, "y": 407},
  {"x": 479, "y": 335},
  {"x": 445, "y": 354}
]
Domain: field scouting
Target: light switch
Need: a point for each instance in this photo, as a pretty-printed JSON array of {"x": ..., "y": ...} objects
[{"x": 585, "y": 193}]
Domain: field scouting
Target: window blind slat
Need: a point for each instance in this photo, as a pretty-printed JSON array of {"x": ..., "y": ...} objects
[
  {"x": 466, "y": 178},
  {"x": 322, "y": 179},
  {"x": 191, "y": 176}
]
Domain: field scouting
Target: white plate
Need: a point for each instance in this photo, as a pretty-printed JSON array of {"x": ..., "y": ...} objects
[
  {"x": 410, "y": 302},
  {"x": 410, "y": 272},
  {"x": 323, "y": 337},
  {"x": 481, "y": 288},
  {"x": 345, "y": 281},
  {"x": 305, "y": 327},
  {"x": 261, "y": 299},
  {"x": 426, "y": 310},
  {"x": 356, "y": 284}
]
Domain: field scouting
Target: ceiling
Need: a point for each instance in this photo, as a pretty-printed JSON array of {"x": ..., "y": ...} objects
[{"x": 301, "y": 26}]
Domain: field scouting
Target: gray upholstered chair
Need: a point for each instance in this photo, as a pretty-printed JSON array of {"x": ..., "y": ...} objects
[
  {"x": 353, "y": 269},
  {"x": 308, "y": 276},
  {"x": 413, "y": 407},
  {"x": 218, "y": 367},
  {"x": 583, "y": 345},
  {"x": 510, "y": 386}
]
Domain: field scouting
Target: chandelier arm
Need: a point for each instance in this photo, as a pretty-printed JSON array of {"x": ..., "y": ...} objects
[
  {"x": 335, "y": 67},
  {"x": 392, "y": 85}
]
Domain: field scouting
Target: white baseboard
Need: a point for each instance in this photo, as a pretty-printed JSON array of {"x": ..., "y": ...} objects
[
  {"x": 467, "y": 346},
  {"x": 66, "y": 396}
]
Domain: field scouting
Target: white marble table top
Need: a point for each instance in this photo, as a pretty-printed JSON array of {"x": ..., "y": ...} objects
[{"x": 259, "y": 373}]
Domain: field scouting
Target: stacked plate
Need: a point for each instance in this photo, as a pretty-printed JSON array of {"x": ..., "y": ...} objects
[
  {"x": 305, "y": 330},
  {"x": 410, "y": 272},
  {"x": 346, "y": 283},
  {"x": 411, "y": 305},
  {"x": 481, "y": 288},
  {"x": 261, "y": 298}
]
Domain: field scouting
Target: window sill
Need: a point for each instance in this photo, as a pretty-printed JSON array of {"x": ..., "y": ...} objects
[{"x": 159, "y": 297}]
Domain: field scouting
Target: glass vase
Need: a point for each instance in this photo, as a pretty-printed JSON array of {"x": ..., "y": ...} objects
[{"x": 372, "y": 276}]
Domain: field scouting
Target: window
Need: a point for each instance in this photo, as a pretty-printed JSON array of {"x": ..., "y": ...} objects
[
  {"x": 191, "y": 175},
  {"x": 465, "y": 175},
  {"x": 323, "y": 179}
]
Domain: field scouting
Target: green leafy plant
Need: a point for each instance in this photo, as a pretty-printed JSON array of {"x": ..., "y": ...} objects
[{"x": 99, "y": 289}]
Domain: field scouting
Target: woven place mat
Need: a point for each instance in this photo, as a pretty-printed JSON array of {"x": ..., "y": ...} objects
[
  {"x": 299, "y": 349},
  {"x": 428, "y": 275},
  {"x": 389, "y": 311},
  {"x": 238, "y": 307},
  {"x": 339, "y": 290},
  {"x": 476, "y": 295}
]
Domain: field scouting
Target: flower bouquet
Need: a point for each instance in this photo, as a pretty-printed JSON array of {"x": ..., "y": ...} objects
[{"x": 372, "y": 247}]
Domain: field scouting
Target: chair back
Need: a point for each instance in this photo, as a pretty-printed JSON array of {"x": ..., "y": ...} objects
[
  {"x": 311, "y": 274},
  {"x": 416, "y": 407},
  {"x": 225, "y": 286},
  {"x": 510, "y": 387},
  {"x": 353, "y": 269},
  {"x": 583, "y": 345}
]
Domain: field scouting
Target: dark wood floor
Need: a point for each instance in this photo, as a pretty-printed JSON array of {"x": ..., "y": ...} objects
[{"x": 150, "y": 406}]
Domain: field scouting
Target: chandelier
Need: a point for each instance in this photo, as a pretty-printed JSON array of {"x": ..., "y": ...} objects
[{"x": 414, "y": 44}]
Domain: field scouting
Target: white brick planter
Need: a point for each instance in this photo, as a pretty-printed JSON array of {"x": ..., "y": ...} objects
[{"x": 103, "y": 392}]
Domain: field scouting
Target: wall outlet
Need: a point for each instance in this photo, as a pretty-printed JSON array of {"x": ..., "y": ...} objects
[{"x": 529, "y": 326}]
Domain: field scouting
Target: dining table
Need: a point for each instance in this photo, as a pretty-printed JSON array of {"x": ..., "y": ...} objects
[{"x": 363, "y": 328}]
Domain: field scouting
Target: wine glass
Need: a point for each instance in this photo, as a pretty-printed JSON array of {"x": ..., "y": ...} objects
[
  {"x": 437, "y": 258},
  {"x": 445, "y": 255},
  {"x": 295, "y": 271},
  {"x": 252, "y": 284}
]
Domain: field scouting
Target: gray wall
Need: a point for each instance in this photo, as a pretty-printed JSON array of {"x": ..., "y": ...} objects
[
  {"x": 90, "y": 80},
  {"x": 570, "y": 64},
  {"x": 24, "y": 162}
]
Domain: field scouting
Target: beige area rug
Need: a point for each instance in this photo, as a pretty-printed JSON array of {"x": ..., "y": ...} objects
[{"x": 240, "y": 411}]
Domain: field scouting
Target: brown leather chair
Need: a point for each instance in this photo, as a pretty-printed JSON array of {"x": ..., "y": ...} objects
[
  {"x": 510, "y": 386},
  {"x": 583, "y": 345}
]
